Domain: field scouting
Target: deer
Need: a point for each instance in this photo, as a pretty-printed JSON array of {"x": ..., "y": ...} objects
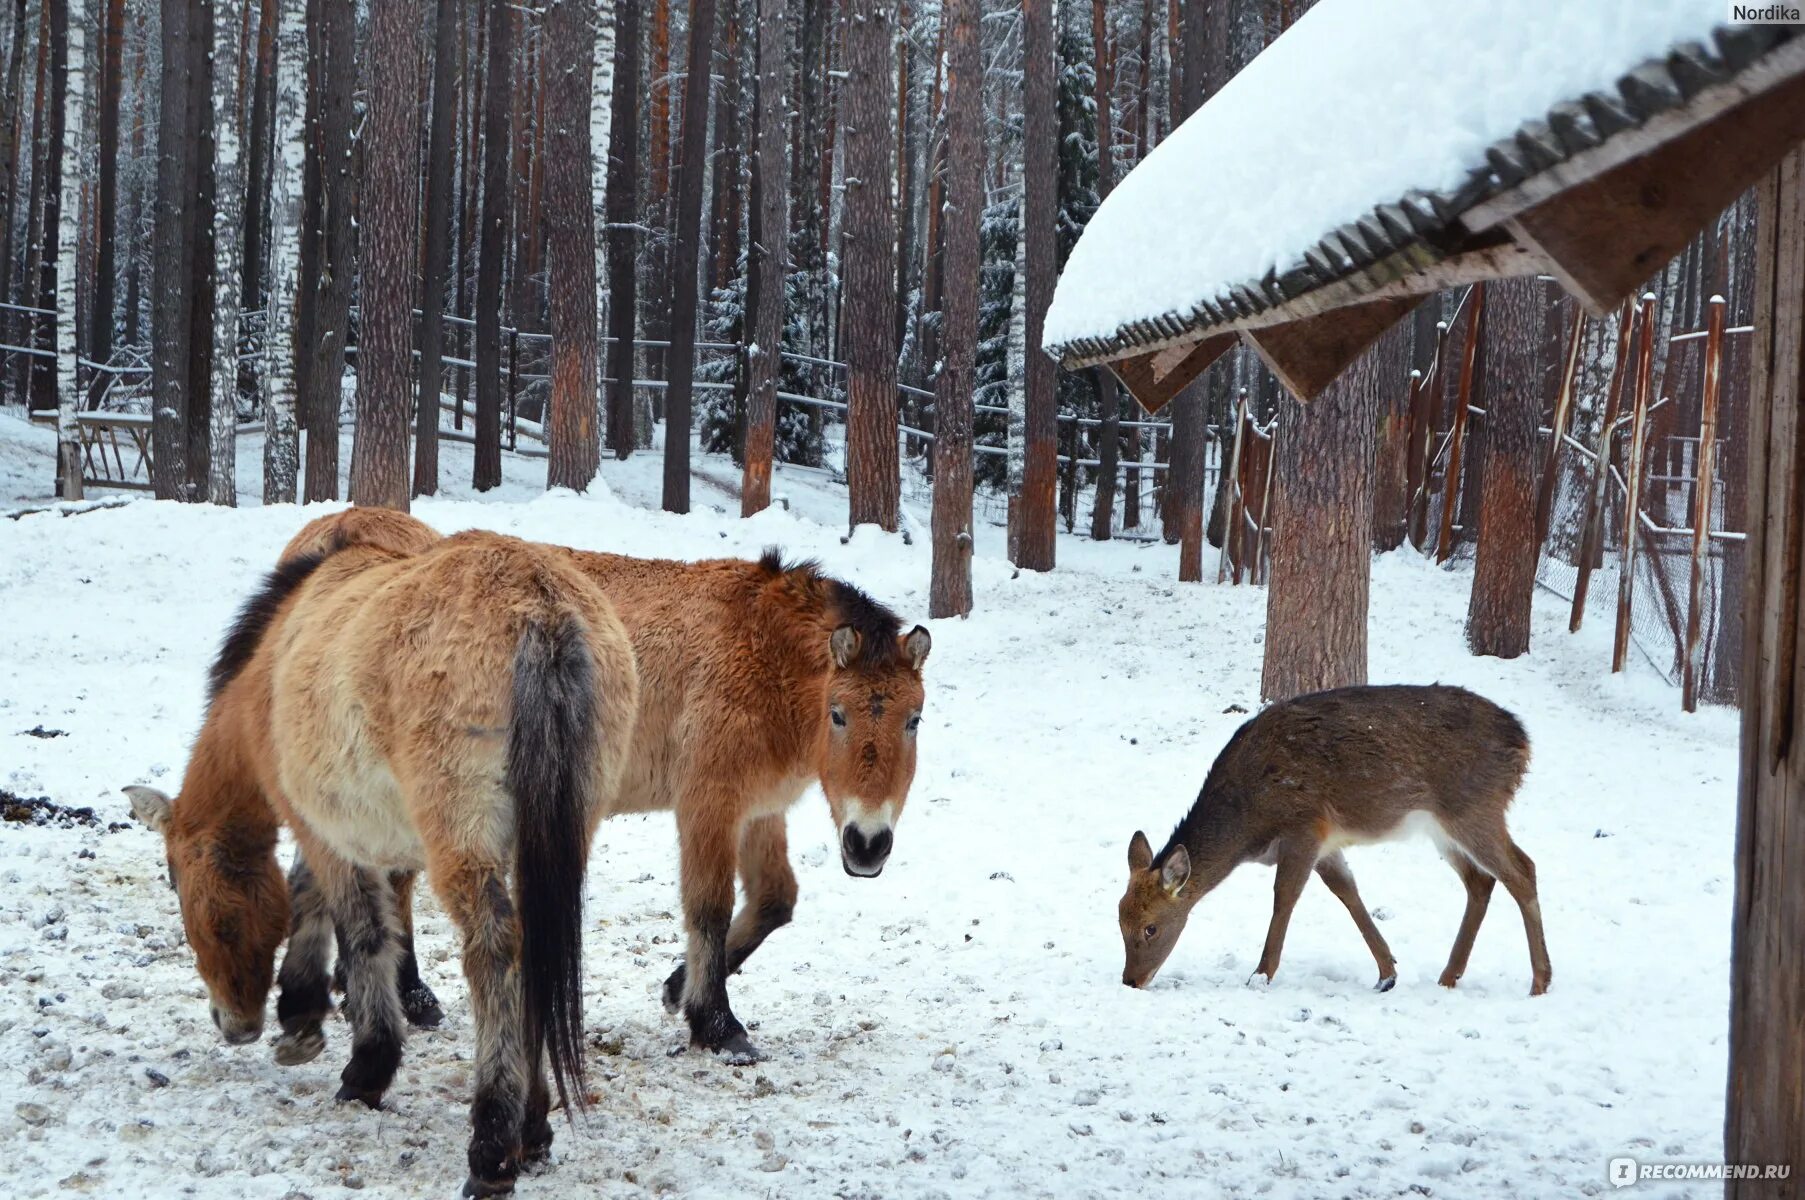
[{"x": 1310, "y": 776}]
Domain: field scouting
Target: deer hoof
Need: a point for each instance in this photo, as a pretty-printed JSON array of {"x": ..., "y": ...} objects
[
  {"x": 1448, "y": 979},
  {"x": 1386, "y": 984},
  {"x": 1260, "y": 979},
  {"x": 1539, "y": 987}
]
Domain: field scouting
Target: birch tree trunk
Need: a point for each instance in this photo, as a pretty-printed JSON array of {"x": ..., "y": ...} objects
[
  {"x": 572, "y": 431},
  {"x": 601, "y": 115},
  {"x": 622, "y": 212},
  {"x": 281, "y": 439},
  {"x": 770, "y": 257},
  {"x": 228, "y": 227},
  {"x": 950, "y": 591},
  {"x": 69, "y": 40}
]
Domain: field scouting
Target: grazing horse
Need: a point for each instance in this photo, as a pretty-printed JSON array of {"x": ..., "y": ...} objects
[
  {"x": 757, "y": 679},
  {"x": 464, "y": 710}
]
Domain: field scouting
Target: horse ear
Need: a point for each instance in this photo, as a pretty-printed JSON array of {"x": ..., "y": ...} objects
[
  {"x": 843, "y": 644},
  {"x": 916, "y": 644},
  {"x": 1176, "y": 870},
  {"x": 1140, "y": 853},
  {"x": 149, "y": 806}
]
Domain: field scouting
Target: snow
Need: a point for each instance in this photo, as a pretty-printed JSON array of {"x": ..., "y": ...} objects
[
  {"x": 956, "y": 1027},
  {"x": 1401, "y": 94}
]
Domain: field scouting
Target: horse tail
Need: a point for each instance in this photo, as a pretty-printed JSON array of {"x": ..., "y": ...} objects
[{"x": 551, "y": 747}]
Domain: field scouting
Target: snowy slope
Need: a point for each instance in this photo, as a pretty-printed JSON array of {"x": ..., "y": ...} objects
[
  {"x": 1267, "y": 167},
  {"x": 956, "y": 1027}
]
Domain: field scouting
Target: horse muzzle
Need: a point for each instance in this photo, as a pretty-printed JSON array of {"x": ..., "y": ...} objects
[
  {"x": 235, "y": 1029},
  {"x": 864, "y": 854}
]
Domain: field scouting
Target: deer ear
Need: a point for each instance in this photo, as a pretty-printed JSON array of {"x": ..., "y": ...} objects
[
  {"x": 916, "y": 644},
  {"x": 843, "y": 644},
  {"x": 1140, "y": 853},
  {"x": 149, "y": 806},
  {"x": 1176, "y": 870}
]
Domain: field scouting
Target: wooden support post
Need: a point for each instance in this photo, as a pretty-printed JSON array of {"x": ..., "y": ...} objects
[
  {"x": 1230, "y": 528},
  {"x": 1701, "y": 500},
  {"x": 1632, "y": 484},
  {"x": 1248, "y": 558},
  {"x": 1457, "y": 430},
  {"x": 1263, "y": 561},
  {"x": 1592, "y": 525},
  {"x": 1415, "y": 435},
  {"x": 1563, "y": 407}
]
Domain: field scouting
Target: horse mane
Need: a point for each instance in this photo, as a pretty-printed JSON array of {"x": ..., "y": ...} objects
[
  {"x": 878, "y": 628},
  {"x": 255, "y": 617}
]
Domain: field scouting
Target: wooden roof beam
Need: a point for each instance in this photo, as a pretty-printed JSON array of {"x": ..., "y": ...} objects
[
  {"x": 1307, "y": 354},
  {"x": 1604, "y": 237},
  {"x": 1154, "y": 378}
]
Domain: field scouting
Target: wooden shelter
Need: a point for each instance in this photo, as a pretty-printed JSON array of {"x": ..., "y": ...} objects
[{"x": 1600, "y": 191}]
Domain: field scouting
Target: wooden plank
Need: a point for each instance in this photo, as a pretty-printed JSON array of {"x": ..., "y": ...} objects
[
  {"x": 1632, "y": 477},
  {"x": 1153, "y": 379},
  {"x": 1604, "y": 237},
  {"x": 1309, "y": 353},
  {"x": 1457, "y": 425},
  {"x": 1701, "y": 503}
]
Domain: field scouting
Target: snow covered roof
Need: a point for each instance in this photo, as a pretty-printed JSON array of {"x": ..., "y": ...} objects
[{"x": 1359, "y": 146}]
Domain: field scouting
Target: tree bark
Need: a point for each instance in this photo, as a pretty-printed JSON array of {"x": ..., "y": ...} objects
[
  {"x": 950, "y": 592},
  {"x": 441, "y": 162},
  {"x": 1183, "y": 504},
  {"x": 1322, "y": 535},
  {"x": 68, "y": 73},
  {"x": 26, "y": 326},
  {"x": 106, "y": 202},
  {"x": 692, "y": 171},
  {"x": 322, "y": 378},
  {"x": 623, "y": 240},
  {"x": 492, "y": 245},
  {"x": 257, "y": 217},
  {"x": 12, "y": 135},
  {"x": 770, "y": 246},
  {"x": 389, "y": 260},
  {"x": 281, "y": 438},
  {"x": 1036, "y": 510},
  {"x": 656, "y": 294},
  {"x": 873, "y": 480},
  {"x": 1109, "y": 431},
  {"x": 171, "y": 255},
  {"x": 601, "y": 113},
  {"x": 228, "y": 267},
  {"x": 575, "y": 445},
  {"x": 1504, "y": 572},
  {"x": 1765, "y": 1117}
]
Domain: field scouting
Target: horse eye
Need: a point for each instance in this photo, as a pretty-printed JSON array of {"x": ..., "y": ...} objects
[
  {"x": 913, "y": 723},
  {"x": 1148, "y": 932},
  {"x": 839, "y": 716}
]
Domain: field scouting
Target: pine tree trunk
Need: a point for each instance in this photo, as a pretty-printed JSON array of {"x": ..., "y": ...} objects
[
  {"x": 441, "y": 163},
  {"x": 655, "y": 295},
  {"x": 873, "y": 481},
  {"x": 172, "y": 252},
  {"x": 322, "y": 379},
  {"x": 769, "y": 254},
  {"x": 390, "y": 258},
  {"x": 492, "y": 245},
  {"x": 1036, "y": 508},
  {"x": 1505, "y": 568},
  {"x": 106, "y": 202},
  {"x": 199, "y": 420},
  {"x": 950, "y": 592},
  {"x": 68, "y": 73},
  {"x": 575, "y": 445},
  {"x": 1182, "y": 504},
  {"x": 622, "y": 204},
  {"x": 257, "y": 217},
  {"x": 1322, "y": 535},
  {"x": 228, "y": 277},
  {"x": 692, "y": 171},
  {"x": 281, "y": 440},
  {"x": 1109, "y": 431},
  {"x": 12, "y": 135}
]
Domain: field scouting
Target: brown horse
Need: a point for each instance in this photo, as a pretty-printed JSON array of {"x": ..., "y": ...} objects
[
  {"x": 463, "y": 710},
  {"x": 757, "y": 680}
]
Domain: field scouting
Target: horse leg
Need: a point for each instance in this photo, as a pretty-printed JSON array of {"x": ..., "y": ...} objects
[
  {"x": 363, "y": 909},
  {"x": 417, "y": 1001},
  {"x": 475, "y": 893},
  {"x": 770, "y": 898},
  {"x": 707, "y": 845},
  {"x": 303, "y": 998}
]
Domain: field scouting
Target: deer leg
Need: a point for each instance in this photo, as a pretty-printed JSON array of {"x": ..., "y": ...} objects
[
  {"x": 770, "y": 884},
  {"x": 417, "y": 1000},
  {"x": 303, "y": 997},
  {"x": 475, "y": 894},
  {"x": 1294, "y": 865},
  {"x": 1334, "y": 872},
  {"x": 1498, "y": 855},
  {"x": 707, "y": 843},
  {"x": 363, "y": 910},
  {"x": 1479, "y": 896}
]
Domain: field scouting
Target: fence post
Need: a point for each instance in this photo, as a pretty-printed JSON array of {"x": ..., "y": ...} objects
[
  {"x": 1231, "y": 527},
  {"x": 1632, "y": 484},
  {"x": 1444, "y": 546},
  {"x": 1413, "y": 457},
  {"x": 1701, "y": 500},
  {"x": 1263, "y": 560},
  {"x": 1247, "y": 559},
  {"x": 1592, "y": 524},
  {"x": 1563, "y": 406},
  {"x": 513, "y": 387}
]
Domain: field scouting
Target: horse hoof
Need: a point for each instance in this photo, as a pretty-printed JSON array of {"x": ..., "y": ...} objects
[
  {"x": 536, "y": 1146},
  {"x": 739, "y": 1051},
  {"x": 673, "y": 991},
  {"x": 488, "y": 1187},
  {"x": 303, "y": 1046},
  {"x": 1386, "y": 984},
  {"x": 421, "y": 1007},
  {"x": 348, "y": 1093}
]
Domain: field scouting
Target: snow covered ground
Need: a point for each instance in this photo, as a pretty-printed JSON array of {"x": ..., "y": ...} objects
[{"x": 956, "y": 1027}]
